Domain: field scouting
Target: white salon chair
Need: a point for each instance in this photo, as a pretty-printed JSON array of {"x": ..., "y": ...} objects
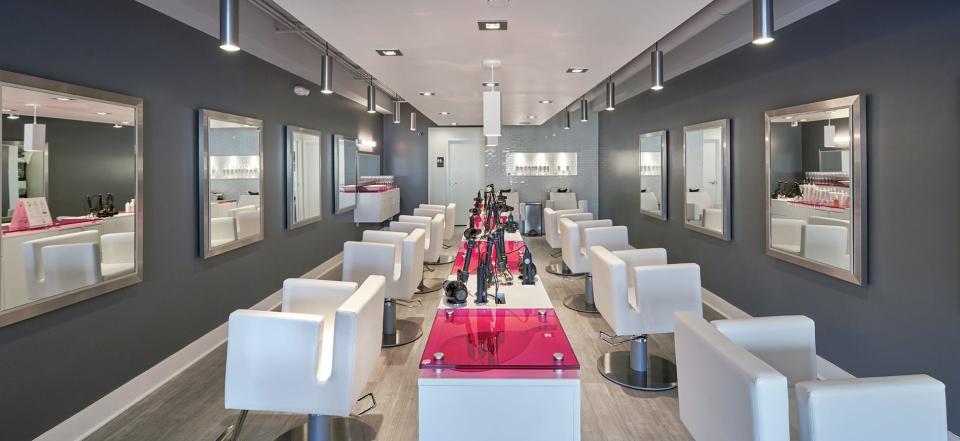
[
  {"x": 823, "y": 220},
  {"x": 221, "y": 209},
  {"x": 826, "y": 244},
  {"x": 57, "y": 264},
  {"x": 439, "y": 217},
  {"x": 449, "y": 218},
  {"x": 755, "y": 379},
  {"x": 565, "y": 201},
  {"x": 637, "y": 294},
  {"x": 786, "y": 234},
  {"x": 713, "y": 219},
  {"x": 560, "y": 268},
  {"x": 248, "y": 223},
  {"x": 433, "y": 229},
  {"x": 117, "y": 252},
  {"x": 551, "y": 227},
  {"x": 378, "y": 255},
  {"x": 696, "y": 201},
  {"x": 649, "y": 202},
  {"x": 314, "y": 357},
  {"x": 249, "y": 199},
  {"x": 222, "y": 230},
  {"x": 576, "y": 258}
]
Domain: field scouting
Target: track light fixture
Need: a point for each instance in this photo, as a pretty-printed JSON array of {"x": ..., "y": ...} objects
[
  {"x": 230, "y": 25},
  {"x": 413, "y": 121},
  {"x": 762, "y": 22},
  {"x": 371, "y": 97},
  {"x": 656, "y": 68},
  {"x": 326, "y": 73},
  {"x": 396, "y": 111},
  {"x": 566, "y": 119},
  {"x": 584, "y": 110},
  {"x": 610, "y": 95}
]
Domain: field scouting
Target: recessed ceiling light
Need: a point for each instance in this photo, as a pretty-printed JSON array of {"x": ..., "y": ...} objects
[
  {"x": 492, "y": 25},
  {"x": 12, "y": 116},
  {"x": 577, "y": 70},
  {"x": 546, "y": 101},
  {"x": 788, "y": 117},
  {"x": 531, "y": 116},
  {"x": 427, "y": 93},
  {"x": 6, "y": 110},
  {"x": 118, "y": 126},
  {"x": 453, "y": 124},
  {"x": 126, "y": 123},
  {"x": 63, "y": 98},
  {"x": 444, "y": 113},
  {"x": 491, "y": 83},
  {"x": 390, "y": 52},
  {"x": 101, "y": 113}
]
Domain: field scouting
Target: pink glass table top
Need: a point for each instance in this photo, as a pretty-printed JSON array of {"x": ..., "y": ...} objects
[
  {"x": 482, "y": 339},
  {"x": 514, "y": 249}
]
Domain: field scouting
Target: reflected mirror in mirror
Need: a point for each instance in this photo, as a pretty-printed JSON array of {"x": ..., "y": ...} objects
[
  {"x": 653, "y": 175},
  {"x": 303, "y": 176},
  {"x": 345, "y": 174},
  {"x": 706, "y": 168},
  {"x": 814, "y": 163},
  {"x": 70, "y": 170},
  {"x": 231, "y": 154}
]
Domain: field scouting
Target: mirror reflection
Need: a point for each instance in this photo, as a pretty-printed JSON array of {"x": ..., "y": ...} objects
[
  {"x": 68, "y": 167},
  {"x": 231, "y": 148},
  {"x": 653, "y": 178},
  {"x": 303, "y": 176},
  {"x": 707, "y": 178},
  {"x": 345, "y": 173},
  {"x": 811, "y": 157}
]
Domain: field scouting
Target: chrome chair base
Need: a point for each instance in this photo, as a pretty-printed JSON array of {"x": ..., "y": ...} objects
[
  {"x": 661, "y": 374},
  {"x": 578, "y": 302},
  {"x": 326, "y": 428},
  {"x": 406, "y": 332},
  {"x": 560, "y": 269},
  {"x": 444, "y": 259}
]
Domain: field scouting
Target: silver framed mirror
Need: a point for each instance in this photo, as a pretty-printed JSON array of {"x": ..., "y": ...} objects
[
  {"x": 707, "y": 193},
  {"x": 816, "y": 186},
  {"x": 304, "y": 170},
  {"x": 231, "y": 184},
  {"x": 72, "y": 186},
  {"x": 345, "y": 174},
  {"x": 653, "y": 174}
]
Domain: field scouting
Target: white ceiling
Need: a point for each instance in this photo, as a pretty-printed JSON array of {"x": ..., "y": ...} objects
[
  {"x": 443, "y": 48},
  {"x": 80, "y": 109}
]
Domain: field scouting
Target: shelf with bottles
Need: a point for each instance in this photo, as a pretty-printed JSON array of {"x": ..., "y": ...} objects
[
  {"x": 542, "y": 164},
  {"x": 226, "y": 167}
]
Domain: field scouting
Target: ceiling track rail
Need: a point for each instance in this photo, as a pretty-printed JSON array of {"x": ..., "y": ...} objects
[{"x": 290, "y": 25}]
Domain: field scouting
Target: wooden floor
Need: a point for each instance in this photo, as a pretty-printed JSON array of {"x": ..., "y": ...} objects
[{"x": 191, "y": 406}]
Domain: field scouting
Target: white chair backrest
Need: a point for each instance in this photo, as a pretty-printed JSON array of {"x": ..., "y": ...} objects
[
  {"x": 427, "y": 223},
  {"x": 436, "y": 226},
  {"x": 612, "y": 238},
  {"x": 412, "y": 261},
  {"x": 696, "y": 202},
  {"x": 221, "y": 209},
  {"x": 612, "y": 278},
  {"x": 662, "y": 290},
  {"x": 727, "y": 393},
  {"x": 118, "y": 247},
  {"x": 69, "y": 267},
  {"x": 248, "y": 223},
  {"x": 786, "y": 343},
  {"x": 33, "y": 262},
  {"x": 826, "y": 244},
  {"x": 394, "y": 238},
  {"x": 359, "y": 334},
  {"x": 822, "y": 220},
  {"x": 786, "y": 233},
  {"x": 713, "y": 219},
  {"x": 572, "y": 242},
  {"x": 249, "y": 199},
  {"x": 564, "y": 201},
  {"x": 449, "y": 212},
  {"x": 648, "y": 202},
  {"x": 551, "y": 225},
  {"x": 365, "y": 259},
  {"x": 223, "y": 229}
]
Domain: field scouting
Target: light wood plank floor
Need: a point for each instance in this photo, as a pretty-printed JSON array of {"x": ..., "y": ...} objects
[{"x": 191, "y": 406}]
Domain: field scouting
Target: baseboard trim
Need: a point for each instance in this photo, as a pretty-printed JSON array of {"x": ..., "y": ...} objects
[
  {"x": 94, "y": 416},
  {"x": 825, "y": 369}
]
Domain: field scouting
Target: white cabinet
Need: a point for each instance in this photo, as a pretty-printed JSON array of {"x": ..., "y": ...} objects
[{"x": 376, "y": 207}]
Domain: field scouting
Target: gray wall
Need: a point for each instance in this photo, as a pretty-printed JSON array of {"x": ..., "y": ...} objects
[
  {"x": 405, "y": 156},
  {"x": 904, "y": 57},
  {"x": 55, "y": 365}
]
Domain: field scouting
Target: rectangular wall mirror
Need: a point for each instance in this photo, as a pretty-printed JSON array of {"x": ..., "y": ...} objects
[
  {"x": 344, "y": 174},
  {"x": 816, "y": 192},
  {"x": 653, "y": 174},
  {"x": 706, "y": 174},
  {"x": 304, "y": 161},
  {"x": 71, "y": 179},
  {"x": 368, "y": 164},
  {"x": 231, "y": 160}
]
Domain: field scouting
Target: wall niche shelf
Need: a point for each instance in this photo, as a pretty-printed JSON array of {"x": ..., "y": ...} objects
[{"x": 542, "y": 164}]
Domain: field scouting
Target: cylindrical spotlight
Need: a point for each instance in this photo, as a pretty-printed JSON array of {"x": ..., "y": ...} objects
[
  {"x": 610, "y": 93},
  {"x": 371, "y": 98},
  {"x": 230, "y": 25},
  {"x": 396, "y": 111},
  {"x": 326, "y": 74},
  {"x": 413, "y": 121},
  {"x": 566, "y": 119},
  {"x": 656, "y": 69},
  {"x": 584, "y": 110},
  {"x": 762, "y": 21}
]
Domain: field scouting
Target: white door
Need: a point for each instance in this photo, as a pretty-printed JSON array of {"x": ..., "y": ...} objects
[{"x": 464, "y": 175}]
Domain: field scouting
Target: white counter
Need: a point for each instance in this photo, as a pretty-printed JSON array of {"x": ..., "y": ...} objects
[{"x": 376, "y": 207}]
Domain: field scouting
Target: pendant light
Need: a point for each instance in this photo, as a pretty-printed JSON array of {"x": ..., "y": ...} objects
[
  {"x": 762, "y": 21},
  {"x": 566, "y": 119},
  {"x": 371, "y": 97},
  {"x": 230, "y": 25},
  {"x": 413, "y": 121},
  {"x": 326, "y": 73},
  {"x": 491, "y": 103},
  {"x": 34, "y": 135},
  {"x": 584, "y": 110},
  {"x": 656, "y": 68},
  {"x": 396, "y": 111},
  {"x": 829, "y": 134},
  {"x": 610, "y": 93}
]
